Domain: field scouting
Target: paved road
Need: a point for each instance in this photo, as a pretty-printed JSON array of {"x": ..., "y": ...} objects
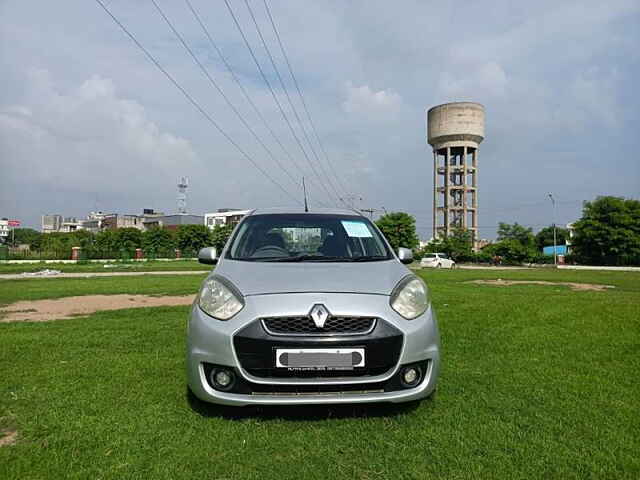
[
  {"x": 594, "y": 267},
  {"x": 15, "y": 276}
]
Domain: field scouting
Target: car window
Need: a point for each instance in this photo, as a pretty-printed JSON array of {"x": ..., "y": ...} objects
[{"x": 307, "y": 237}]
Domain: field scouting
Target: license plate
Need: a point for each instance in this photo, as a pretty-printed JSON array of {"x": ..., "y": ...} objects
[{"x": 319, "y": 358}]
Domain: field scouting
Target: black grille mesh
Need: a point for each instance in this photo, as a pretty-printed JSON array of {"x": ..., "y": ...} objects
[{"x": 305, "y": 325}]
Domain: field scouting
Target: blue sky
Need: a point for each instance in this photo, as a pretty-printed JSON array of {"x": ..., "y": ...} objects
[{"x": 87, "y": 121}]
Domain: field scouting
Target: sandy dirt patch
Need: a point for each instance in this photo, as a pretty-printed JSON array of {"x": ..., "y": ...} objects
[
  {"x": 69, "y": 307},
  {"x": 573, "y": 286},
  {"x": 8, "y": 437}
]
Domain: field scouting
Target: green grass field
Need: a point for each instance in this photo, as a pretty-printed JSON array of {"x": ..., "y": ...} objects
[
  {"x": 537, "y": 382},
  {"x": 150, "y": 266}
]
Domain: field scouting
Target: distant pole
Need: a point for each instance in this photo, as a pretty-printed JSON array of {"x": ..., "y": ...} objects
[
  {"x": 555, "y": 253},
  {"x": 304, "y": 191},
  {"x": 370, "y": 211}
]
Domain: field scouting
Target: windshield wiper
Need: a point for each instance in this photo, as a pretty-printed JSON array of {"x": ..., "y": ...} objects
[
  {"x": 319, "y": 258},
  {"x": 368, "y": 258},
  {"x": 306, "y": 258}
]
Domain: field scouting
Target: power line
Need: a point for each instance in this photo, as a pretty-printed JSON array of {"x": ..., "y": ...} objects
[
  {"x": 293, "y": 108},
  {"x": 485, "y": 227},
  {"x": 242, "y": 87},
  {"x": 417, "y": 213},
  {"x": 304, "y": 103},
  {"x": 193, "y": 101},
  {"x": 275, "y": 98},
  {"x": 221, "y": 92}
]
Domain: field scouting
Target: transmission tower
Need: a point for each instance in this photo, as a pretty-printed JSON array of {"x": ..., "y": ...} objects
[{"x": 183, "y": 184}]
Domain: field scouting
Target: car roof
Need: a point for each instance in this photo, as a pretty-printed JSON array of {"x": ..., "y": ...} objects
[{"x": 297, "y": 210}]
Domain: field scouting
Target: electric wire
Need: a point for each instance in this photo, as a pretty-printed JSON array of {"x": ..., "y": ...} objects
[
  {"x": 290, "y": 102},
  {"x": 193, "y": 102},
  {"x": 270, "y": 87},
  {"x": 221, "y": 92},
  {"x": 242, "y": 88},
  {"x": 304, "y": 103}
]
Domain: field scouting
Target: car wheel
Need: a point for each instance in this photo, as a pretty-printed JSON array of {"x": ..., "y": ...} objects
[
  {"x": 439, "y": 265},
  {"x": 453, "y": 265}
]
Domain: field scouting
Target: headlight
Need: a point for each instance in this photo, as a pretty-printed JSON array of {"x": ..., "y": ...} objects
[
  {"x": 410, "y": 298},
  {"x": 219, "y": 300}
]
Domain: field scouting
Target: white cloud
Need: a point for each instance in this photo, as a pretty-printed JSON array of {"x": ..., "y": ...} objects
[
  {"x": 364, "y": 100},
  {"x": 488, "y": 80},
  {"x": 94, "y": 135},
  {"x": 594, "y": 92}
]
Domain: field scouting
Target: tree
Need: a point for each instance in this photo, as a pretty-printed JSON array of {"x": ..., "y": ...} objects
[
  {"x": 516, "y": 232},
  {"x": 219, "y": 236},
  {"x": 82, "y": 238},
  {"x": 516, "y": 244},
  {"x": 158, "y": 240},
  {"x": 544, "y": 237},
  {"x": 106, "y": 242},
  {"x": 56, "y": 242},
  {"x": 400, "y": 229},
  {"x": 128, "y": 238},
  {"x": 191, "y": 238},
  {"x": 608, "y": 232},
  {"x": 26, "y": 236},
  {"x": 458, "y": 246}
]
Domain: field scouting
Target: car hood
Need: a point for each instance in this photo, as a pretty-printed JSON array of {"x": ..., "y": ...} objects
[{"x": 259, "y": 278}]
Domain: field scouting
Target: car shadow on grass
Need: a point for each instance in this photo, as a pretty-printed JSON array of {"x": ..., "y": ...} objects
[{"x": 305, "y": 412}]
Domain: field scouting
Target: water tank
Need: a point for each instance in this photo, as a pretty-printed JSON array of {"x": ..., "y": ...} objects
[{"x": 458, "y": 121}]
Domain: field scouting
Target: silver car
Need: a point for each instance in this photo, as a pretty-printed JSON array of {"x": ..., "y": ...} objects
[{"x": 311, "y": 308}]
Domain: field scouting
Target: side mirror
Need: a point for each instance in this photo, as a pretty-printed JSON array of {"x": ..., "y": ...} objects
[
  {"x": 208, "y": 256},
  {"x": 405, "y": 255}
]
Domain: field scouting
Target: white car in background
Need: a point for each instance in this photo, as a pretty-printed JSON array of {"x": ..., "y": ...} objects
[{"x": 437, "y": 260}]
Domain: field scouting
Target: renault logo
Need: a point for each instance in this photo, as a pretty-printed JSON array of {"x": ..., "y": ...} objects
[{"x": 319, "y": 315}]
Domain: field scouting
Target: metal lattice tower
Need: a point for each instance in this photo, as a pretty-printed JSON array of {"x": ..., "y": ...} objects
[
  {"x": 455, "y": 131},
  {"x": 182, "y": 195}
]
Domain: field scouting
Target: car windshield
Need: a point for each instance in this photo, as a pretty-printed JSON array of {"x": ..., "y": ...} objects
[{"x": 307, "y": 237}]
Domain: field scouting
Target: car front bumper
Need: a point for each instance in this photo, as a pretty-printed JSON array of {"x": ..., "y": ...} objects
[{"x": 211, "y": 342}]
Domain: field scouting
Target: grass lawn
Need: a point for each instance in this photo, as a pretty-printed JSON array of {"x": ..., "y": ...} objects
[
  {"x": 150, "y": 266},
  {"x": 537, "y": 382}
]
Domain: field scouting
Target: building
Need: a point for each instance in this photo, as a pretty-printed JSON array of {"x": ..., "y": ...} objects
[
  {"x": 117, "y": 220},
  {"x": 172, "y": 222},
  {"x": 51, "y": 223},
  {"x": 70, "y": 224},
  {"x": 455, "y": 131},
  {"x": 93, "y": 223},
  {"x": 4, "y": 230},
  {"x": 224, "y": 216},
  {"x": 572, "y": 233}
]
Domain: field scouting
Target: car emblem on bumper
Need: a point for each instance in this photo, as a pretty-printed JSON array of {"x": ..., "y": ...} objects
[{"x": 319, "y": 315}]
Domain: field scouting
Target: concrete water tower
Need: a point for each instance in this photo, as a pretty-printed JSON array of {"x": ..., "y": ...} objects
[{"x": 455, "y": 131}]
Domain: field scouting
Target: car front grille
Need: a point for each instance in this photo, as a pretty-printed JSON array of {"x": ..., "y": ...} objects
[
  {"x": 255, "y": 348},
  {"x": 305, "y": 326}
]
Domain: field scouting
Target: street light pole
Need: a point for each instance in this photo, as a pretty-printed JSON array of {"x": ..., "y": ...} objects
[{"x": 555, "y": 252}]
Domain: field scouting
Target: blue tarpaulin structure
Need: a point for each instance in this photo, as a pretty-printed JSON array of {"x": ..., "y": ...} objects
[{"x": 560, "y": 250}]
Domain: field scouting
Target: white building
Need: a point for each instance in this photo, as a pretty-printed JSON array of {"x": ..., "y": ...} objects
[
  {"x": 51, "y": 223},
  {"x": 4, "y": 230},
  {"x": 224, "y": 216}
]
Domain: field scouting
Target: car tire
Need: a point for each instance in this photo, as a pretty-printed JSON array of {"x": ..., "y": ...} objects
[
  {"x": 453, "y": 266},
  {"x": 439, "y": 265}
]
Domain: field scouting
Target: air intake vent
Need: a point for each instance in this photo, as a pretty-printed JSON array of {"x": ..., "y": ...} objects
[{"x": 306, "y": 326}]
